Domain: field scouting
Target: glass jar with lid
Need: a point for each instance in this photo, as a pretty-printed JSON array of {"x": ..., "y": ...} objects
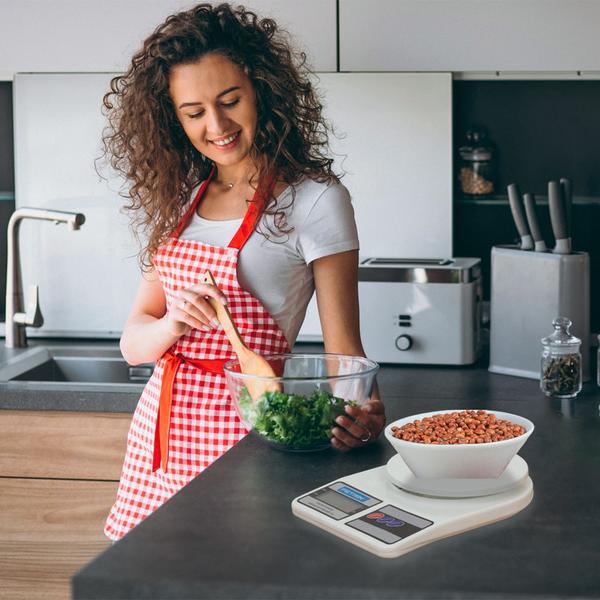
[
  {"x": 476, "y": 166},
  {"x": 561, "y": 362}
]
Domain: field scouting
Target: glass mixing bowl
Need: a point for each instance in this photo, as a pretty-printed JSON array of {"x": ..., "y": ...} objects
[{"x": 309, "y": 392}]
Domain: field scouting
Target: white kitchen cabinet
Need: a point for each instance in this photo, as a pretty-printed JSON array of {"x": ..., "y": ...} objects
[
  {"x": 87, "y": 35},
  {"x": 469, "y": 35}
]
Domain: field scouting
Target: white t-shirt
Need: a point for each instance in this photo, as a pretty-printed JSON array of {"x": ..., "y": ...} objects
[{"x": 278, "y": 271}]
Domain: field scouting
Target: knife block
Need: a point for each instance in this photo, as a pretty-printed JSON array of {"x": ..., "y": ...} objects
[{"x": 529, "y": 290}]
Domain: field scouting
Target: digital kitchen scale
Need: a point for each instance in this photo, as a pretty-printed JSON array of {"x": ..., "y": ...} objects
[{"x": 369, "y": 509}]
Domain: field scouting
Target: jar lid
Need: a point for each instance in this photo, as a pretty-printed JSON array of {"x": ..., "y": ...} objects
[
  {"x": 476, "y": 154},
  {"x": 475, "y": 148},
  {"x": 561, "y": 336}
]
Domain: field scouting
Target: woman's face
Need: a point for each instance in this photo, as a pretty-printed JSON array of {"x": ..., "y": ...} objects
[{"x": 216, "y": 105}]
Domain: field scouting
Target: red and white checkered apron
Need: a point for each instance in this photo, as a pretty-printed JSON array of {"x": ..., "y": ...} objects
[{"x": 201, "y": 424}]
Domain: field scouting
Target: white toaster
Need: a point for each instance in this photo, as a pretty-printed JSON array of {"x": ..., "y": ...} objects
[{"x": 421, "y": 311}]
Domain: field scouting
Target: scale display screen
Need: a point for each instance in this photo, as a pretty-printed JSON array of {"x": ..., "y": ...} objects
[
  {"x": 339, "y": 500},
  {"x": 389, "y": 524}
]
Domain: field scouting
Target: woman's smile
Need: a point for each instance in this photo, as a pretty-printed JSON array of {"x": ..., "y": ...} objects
[{"x": 226, "y": 143}]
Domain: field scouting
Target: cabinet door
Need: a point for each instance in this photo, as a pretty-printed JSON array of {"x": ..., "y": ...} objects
[
  {"x": 66, "y": 445},
  {"x": 70, "y": 35},
  {"x": 469, "y": 35},
  {"x": 50, "y": 529}
]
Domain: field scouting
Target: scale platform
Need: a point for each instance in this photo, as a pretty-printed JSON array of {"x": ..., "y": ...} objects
[{"x": 369, "y": 510}]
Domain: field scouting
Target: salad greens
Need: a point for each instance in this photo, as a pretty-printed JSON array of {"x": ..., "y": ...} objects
[{"x": 297, "y": 422}]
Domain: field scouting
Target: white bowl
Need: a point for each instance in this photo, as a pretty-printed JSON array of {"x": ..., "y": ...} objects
[{"x": 468, "y": 461}]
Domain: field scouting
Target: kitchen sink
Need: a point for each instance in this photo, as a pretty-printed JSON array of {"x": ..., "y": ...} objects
[{"x": 74, "y": 368}]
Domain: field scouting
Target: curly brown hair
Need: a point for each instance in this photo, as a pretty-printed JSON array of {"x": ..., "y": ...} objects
[{"x": 147, "y": 145}]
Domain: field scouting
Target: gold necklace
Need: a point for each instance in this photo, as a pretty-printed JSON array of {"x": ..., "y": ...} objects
[{"x": 228, "y": 184}]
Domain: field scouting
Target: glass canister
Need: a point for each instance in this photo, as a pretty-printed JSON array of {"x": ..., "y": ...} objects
[
  {"x": 476, "y": 169},
  {"x": 561, "y": 362}
]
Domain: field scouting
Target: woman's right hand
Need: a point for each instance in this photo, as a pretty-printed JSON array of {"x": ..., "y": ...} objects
[{"x": 191, "y": 310}]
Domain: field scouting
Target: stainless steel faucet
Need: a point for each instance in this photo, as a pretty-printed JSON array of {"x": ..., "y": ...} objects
[{"x": 16, "y": 319}]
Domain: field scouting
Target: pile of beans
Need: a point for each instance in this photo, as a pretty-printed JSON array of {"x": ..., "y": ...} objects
[
  {"x": 464, "y": 427},
  {"x": 473, "y": 183}
]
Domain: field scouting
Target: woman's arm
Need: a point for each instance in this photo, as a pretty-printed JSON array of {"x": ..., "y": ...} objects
[
  {"x": 150, "y": 330},
  {"x": 336, "y": 284}
]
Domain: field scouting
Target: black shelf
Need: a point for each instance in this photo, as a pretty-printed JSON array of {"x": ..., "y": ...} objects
[{"x": 503, "y": 200}]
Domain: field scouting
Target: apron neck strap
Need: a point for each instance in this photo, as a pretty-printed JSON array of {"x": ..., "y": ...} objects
[{"x": 253, "y": 214}]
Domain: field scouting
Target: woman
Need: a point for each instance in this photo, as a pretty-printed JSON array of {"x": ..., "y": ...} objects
[{"x": 222, "y": 139}]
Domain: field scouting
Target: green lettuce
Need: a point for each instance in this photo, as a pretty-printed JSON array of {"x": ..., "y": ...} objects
[{"x": 293, "y": 421}]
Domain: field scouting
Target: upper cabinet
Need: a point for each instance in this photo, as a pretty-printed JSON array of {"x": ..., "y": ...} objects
[
  {"x": 380, "y": 35},
  {"x": 87, "y": 36},
  {"x": 469, "y": 35}
]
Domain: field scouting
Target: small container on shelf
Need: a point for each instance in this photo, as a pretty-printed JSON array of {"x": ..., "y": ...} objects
[
  {"x": 561, "y": 362},
  {"x": 476, "y": 165}
]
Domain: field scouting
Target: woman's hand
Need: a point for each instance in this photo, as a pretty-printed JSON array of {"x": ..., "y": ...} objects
[
  {"x": 362, "y": 425},
  {"x": 191, "y": 310}
]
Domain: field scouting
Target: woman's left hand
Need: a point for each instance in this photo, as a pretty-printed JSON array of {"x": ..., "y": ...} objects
[{"x": 360, "y": 425}]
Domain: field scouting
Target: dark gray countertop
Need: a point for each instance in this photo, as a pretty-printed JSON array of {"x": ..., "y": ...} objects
[{"x": 231, "y": 533}]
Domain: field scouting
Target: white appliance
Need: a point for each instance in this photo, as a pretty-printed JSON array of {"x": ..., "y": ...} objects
[
  {"x": 389, "y": 512},
  {"x": 421, "y": 311}
]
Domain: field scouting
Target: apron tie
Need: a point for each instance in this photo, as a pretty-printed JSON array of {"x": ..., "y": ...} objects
[{"x": 163, "y": 418}]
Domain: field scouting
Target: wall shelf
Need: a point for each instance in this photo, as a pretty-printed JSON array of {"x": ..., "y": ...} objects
[{"x": 501, "y": 200}]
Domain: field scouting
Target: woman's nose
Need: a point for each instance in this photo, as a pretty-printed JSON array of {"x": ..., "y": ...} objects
[{"x": 217, "y": 122}]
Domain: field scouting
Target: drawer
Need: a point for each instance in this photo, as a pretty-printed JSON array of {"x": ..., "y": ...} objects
[
  {"x": 66, "y": 445},
  {"x": 50, "y": 529}
]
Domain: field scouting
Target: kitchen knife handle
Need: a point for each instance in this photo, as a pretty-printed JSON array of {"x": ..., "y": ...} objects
[
  {"x": 558, "y": 218},
  {"x": 516, "y": 207},
  {"x": 567, "y": 191},
  {"x": 534, "y": 225}
]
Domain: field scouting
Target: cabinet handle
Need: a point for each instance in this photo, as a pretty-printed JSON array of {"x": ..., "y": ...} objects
[{"x": 139, "y": 373}]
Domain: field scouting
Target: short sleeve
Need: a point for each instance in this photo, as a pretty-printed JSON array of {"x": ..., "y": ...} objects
[{"x": 329, "y": 227}]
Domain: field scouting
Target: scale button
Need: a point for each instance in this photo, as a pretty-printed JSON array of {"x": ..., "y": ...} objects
[
  {"x": 404, "y": 342},
  {"x": 375, "y": 515}
]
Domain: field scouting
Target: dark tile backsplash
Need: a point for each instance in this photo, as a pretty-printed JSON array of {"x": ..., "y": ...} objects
[
  {"x": 479, "y": 226},
  {"x": 7, "y": 171},
  {"x": 7, "y": 179},
  {"x": 541, "y": 130}
]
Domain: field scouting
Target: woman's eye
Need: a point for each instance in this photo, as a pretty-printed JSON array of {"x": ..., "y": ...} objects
[{"x": 198, "y": 114}]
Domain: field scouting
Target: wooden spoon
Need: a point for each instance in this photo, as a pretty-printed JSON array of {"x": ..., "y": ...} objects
[{"x": 251, "y": 363}]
